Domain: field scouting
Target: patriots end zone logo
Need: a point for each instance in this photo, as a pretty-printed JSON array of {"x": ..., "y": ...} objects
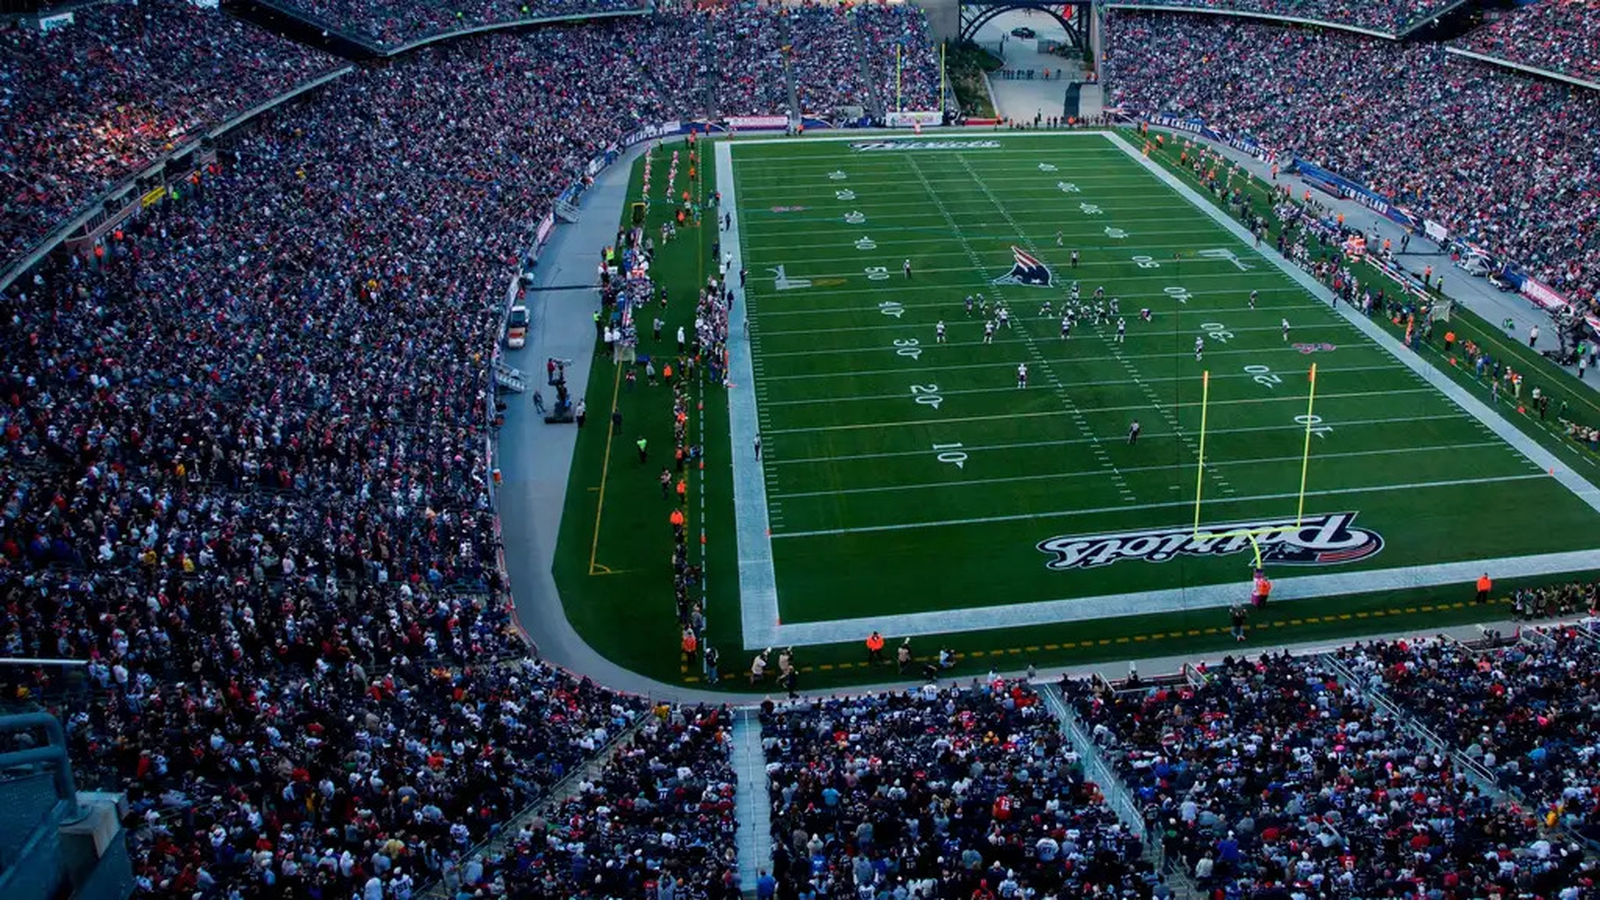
[
  {"x": 1026, "y": 270},
  {"x": 1328, "y": 539}
]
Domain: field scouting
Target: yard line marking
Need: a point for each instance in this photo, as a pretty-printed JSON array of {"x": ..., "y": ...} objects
[
  {"x": 857, "y": 373},
  {"x": 1056, "y": 514},
  {"x": 954, "y": 305},
  {"x": 1281, "y": 398},
  {"x": 1045, "y": 476},
  {"x": 944, "y": 239},
  {"x": 1039, "y": 359}
]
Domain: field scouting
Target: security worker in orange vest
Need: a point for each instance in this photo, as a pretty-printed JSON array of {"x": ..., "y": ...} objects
[
  {"x": 874, "y": 648},
  {"x": 683, "y": 492},
  {"x": 1484, "y": 584},
  {"x": 690, "y": 645},
  {"x": 677, "y": 520}
]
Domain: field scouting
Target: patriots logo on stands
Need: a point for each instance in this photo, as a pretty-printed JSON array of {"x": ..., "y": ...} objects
[{"x": 1026, "y": 270}]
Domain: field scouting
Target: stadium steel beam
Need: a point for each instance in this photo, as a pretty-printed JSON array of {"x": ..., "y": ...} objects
[{"x": 1074, "y": 17}]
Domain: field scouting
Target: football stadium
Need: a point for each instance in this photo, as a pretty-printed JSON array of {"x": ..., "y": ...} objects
[{"x": 727, "y": 448}]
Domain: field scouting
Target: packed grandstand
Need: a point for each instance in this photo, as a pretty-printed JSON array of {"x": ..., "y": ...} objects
[{"x": 246, "y": 477}]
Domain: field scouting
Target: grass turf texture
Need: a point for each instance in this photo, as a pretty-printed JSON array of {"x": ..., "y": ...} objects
[
  {"x": 828, "y": 362},
  {"x": 866, "y": 518}
]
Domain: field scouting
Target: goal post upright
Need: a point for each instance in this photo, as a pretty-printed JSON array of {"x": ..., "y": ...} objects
[
  {"x": 1200, "y": 462},
  {"x": 1305, "y": 459}
]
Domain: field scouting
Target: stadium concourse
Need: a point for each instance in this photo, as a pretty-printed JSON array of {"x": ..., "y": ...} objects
[{"x": 246, "y": 482}]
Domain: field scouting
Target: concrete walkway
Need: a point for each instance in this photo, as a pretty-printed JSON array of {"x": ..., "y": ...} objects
[
  {"x": 1022, "y": 100},
  {"x": 752, "y": 807}
]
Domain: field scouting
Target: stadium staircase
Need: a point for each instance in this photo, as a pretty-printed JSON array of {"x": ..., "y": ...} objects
[
  {"x": 509, "y": 378},
  {"x": 790, "y": 83},
  {"x": 751, "y": 805},
  {"x": 874, "y": 90},
  {"x": 502, "y": 840},
  {"x": 55, "y": 843},
  {"x": 1097, "y": 769}
]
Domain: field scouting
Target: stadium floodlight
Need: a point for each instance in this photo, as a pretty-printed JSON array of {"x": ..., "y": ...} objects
[{"x": 1253, "y": 534}]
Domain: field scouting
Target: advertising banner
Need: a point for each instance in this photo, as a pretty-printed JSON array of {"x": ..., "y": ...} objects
[
  {"x": 542, "y": 233},
  {"x": 652, "y": 132},
  {"x": 1354, "y": 190},
  {"x": 757, "y": 122},
  {"x": 911, "y": 119},
  {"x": 1196, "y": 125},
  {"x": 1434, "y": 230}
]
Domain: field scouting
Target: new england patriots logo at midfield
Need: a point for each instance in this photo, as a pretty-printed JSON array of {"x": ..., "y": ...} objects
[{"x": 1026, "y": 270}]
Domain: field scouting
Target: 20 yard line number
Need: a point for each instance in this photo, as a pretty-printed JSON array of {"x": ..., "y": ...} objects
[{"x": 927, "y": 395}]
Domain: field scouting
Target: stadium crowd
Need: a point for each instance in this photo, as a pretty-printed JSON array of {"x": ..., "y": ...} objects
[
  {"x": 245, "y": 474},
  {"x": 1555, "y": 35},
  {"x": 827, "y": 68},
  {"x": 905, "y": 26},
  {"x": 395, "y": 22},
  {"x": 747, "y": 40},
  {"x": 1525, "y": 712},
  {"x": 1268, "y": 775},
  {"x": 658, "y": 821},
  {"x": 1388, "y": 16},
  {"x": 1526, "y": 138},
  {"x": 959, "y": 791},
  {"x": 88, "y": 105}
]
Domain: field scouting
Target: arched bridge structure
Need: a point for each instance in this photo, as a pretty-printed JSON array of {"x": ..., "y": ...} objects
[{"x": 1074, "y": 17}]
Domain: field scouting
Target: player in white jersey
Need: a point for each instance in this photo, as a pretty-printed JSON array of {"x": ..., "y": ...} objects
[
  {"x": 969, "y": 306},
  {"x": 938, "y": 331},
  {"x": 1005, "y": 316},
  {"x": 1046, "y": 310},
  {"x": 1074, "y": 292},
  {"x": 1144, "y": 313},
  {"x": 1114, "y": 310},
  {"x": 988, "y": 331},
  {"x": 1199, "y": 347},
  {"x": 1066, "y": 327},
  {"x": 1286, "y": 330},
  {"x": 1122, "y": 330},
  {"x": 1099, "y": 293},
  {"x": 1253, "y": 297},
  {"x": 1022, "y": 375}
]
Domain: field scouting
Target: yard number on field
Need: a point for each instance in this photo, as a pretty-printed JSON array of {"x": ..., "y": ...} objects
[
  {"x": 926, "y": 394},
  {"x": 866, "y": 243},
  {"x": 891, "y": 308},
  {"x": 1068, "y": 187},
  {"x": 1263, "y": 375},
  {"x": 1116, "y": 233},
  {"x": 845, "y": 194},
  {"x": 951, "y": 453},
  {"x": 1089, "y": 209},
  {"x": 855, "y": 218},
  {"x": 1179, "y": 294},
  {"x": 1315, "y": 422},
  {"x": 1216, "y": 331},
  {"x": 1145, "y": 262},
  {"x": 907, "y": 347},
  {"x": 877, "y": 273},
  {"x": 837, "y": 175}
]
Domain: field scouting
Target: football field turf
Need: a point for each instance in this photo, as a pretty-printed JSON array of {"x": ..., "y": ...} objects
[{"x": 911, "y": 485}]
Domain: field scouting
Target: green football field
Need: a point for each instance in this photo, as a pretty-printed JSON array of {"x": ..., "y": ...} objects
[{"x": 912, "y": 482}]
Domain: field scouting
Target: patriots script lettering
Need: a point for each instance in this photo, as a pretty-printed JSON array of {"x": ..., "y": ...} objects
[{"x": 1328, "y": 539}]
